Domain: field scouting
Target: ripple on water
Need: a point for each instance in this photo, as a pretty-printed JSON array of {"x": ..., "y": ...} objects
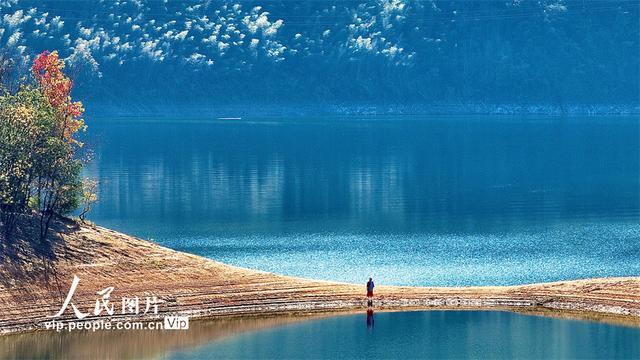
[{"x": 556, "y": 253}]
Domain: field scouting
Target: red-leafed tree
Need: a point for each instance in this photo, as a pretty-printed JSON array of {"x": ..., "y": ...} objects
[{"x": 56, "y": 87}]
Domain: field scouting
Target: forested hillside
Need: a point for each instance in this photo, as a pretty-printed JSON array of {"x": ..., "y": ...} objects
[{"x": 137, "y": 55}]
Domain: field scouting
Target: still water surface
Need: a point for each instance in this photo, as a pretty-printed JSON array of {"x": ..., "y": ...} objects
[
  {"x": 409, "y": 200},
  {"x": 434, "y": 334}
]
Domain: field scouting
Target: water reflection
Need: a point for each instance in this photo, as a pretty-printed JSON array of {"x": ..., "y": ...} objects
[
  {"x": 370, "y": 319},
  {"x": 407, "y": 175},
  {"x": 456, "y": 201},
  {"x": 132, "y": 344},
  {"x": 431, "y": 334}
]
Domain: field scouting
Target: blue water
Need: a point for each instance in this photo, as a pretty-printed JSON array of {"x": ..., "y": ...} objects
[
  {"x": 424, "y": 335},
  {"x": 409, "y": 200},
  {"x": 398, "y": 335}
]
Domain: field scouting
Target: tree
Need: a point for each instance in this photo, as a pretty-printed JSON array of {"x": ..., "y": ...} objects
[
  {"x": 23, "y": 125},
  {"x": 89, "y": 196},
  {"x": 40, "y": 174}
]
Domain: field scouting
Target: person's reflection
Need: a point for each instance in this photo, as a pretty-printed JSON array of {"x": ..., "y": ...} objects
[{"x": 369, "y": 318}]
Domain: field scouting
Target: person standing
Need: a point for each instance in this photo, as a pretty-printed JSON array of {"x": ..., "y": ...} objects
[{"x": 370, "y": 286}]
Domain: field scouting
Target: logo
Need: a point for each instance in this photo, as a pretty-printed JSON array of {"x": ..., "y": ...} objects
[
  {"x": 94, "y": 318},
  {"x": 176, "y": 323}
]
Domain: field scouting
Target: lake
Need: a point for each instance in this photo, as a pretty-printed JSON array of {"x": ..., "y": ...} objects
[
  {"x": 430, "y": 334},
  {"x": 410, "y": 200}
]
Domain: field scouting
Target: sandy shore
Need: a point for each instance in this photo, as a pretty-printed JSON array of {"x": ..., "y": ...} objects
[{"x": 33, "y": 290}]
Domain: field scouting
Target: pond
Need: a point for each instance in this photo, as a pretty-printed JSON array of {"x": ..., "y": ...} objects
[{"x": 427, "y": 334}]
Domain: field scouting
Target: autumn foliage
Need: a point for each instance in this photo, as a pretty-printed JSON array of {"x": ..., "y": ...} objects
[
  {"x": 40, "y": 172},
  {"x": 56, "y": 87}
]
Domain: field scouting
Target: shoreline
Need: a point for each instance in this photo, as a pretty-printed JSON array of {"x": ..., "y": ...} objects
[{"x": 32, "y": 291}]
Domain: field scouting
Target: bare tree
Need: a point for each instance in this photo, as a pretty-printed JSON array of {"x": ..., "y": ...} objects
[{"x": 89, "y": 196}]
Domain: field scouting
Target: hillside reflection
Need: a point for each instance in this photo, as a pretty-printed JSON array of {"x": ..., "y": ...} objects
[{"x": 402, "y": 175}]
